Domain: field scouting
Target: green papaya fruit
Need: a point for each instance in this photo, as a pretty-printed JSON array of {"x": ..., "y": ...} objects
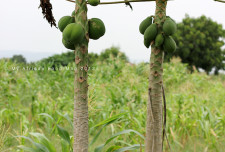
[
  {"x": 145, "y": 24},
  {"x": 168, "y": 17},
  {"x": 151, "y": 32},
  {"x": 169, "y": 27},
  {"x": 73, "y": 33},
  {"x": 93, "y": 2},
  {"x": 169, "y": 44},
  {"x": 68, "y": 45},
  {"x": 96, "y": 28},
  {"x": 159, "y": 40},
  {"x": 64, "y": 21},
  {"x": 147, "y": 43},
  {"x": 73, "y": 14}
]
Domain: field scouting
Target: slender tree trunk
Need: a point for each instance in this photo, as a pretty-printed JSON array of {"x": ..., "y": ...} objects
[
  {"x": 153, "y": 141},
  {"x": 80, "y": 83}
]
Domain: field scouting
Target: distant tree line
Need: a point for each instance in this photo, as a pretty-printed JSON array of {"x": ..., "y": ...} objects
[
  {"x": 19, "y": 59},
  {"x": 199, "y": 43},
  {"x": 65, "y": 58}
]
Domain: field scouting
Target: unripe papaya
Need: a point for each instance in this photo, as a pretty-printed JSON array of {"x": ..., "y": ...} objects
[
  {"x": 159, "y": 40},
  {"x": 145, "y": 24},
  {"x": 73, "y": 14},
  {"x": 93, "y": 2},
  {"x": 169, "y": 27},
  {"x": 64, "y": 21},
  {"x": 73, "y": 33},
  {"x": 96, "y": 28},
  {"x": 169, "y": 44},
  {"x": 171, "y": 19},
  {"x": 150, "y": 33},
  {"x": 68, "y": 45},
  {"x": 147, "y": 43}
]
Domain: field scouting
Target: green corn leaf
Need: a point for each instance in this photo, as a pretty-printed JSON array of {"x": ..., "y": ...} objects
[
  {"x": 27, "y": 138},
  {"x": 105, "y": 123},
  {"x": 133, "y": 147},
  {"x": 29, "y": 149},
  {"x": 64, "y": 134},
  {"x": 40, "y": 147},
  {"x": 99, "y": 148},
  {"x": 65, "y": 146},
  {"x": 67, "y": 117},
  {"x": 96, "y": 136},
  {"x": 113, "y": 148},
  {"x": 71, "y": 141},
  {"x": 44, "y": 140},
  {"x": 46, "y": 115},
  {"x": 110, "y": 120},
  {"x": 123, "y": 132},
  {"x": 116, "y": 135}
]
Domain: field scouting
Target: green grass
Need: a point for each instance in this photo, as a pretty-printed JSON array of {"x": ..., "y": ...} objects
[{"x": 195, "y": 105}]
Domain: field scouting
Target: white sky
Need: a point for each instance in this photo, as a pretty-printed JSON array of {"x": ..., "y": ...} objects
[{"x": 23, "y": 29}]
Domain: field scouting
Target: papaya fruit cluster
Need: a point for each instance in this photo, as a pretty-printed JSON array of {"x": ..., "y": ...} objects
[
  {"x": 73, "y": 33},
  {"x": 162, "y": 37}
]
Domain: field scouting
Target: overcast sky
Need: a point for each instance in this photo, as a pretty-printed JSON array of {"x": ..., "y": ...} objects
[{"x": 23, "y": 29}]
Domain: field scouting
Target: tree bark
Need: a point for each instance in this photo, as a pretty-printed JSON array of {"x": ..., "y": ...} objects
[
  {"x": 154, "y": 127},
  {"x": 80, "y": 83}
]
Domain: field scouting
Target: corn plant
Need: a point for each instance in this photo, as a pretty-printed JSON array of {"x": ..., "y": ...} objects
[{"x": 40, "y": 143}]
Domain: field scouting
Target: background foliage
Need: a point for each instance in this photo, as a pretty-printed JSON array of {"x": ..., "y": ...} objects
[
  {"x": 19, "y": 59},
  {"x": 65, "y": 58},
  {"x": 199, "y": 43}
]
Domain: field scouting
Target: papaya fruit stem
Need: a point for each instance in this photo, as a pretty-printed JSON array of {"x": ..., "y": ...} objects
[{"x": 220, "y": 1}]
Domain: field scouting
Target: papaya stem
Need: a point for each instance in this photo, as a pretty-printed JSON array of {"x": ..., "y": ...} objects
[
  {"x": 80, "y": 84},
  {"x": 153, "y": 142}
]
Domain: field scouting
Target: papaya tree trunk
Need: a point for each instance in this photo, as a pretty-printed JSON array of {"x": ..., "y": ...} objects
[
  {"x": 80, "y": 83},
  {"x": 153, "y": 141}
]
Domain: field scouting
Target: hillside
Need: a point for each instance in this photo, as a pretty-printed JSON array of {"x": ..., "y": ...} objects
[{"x": 195, "y": 104}]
